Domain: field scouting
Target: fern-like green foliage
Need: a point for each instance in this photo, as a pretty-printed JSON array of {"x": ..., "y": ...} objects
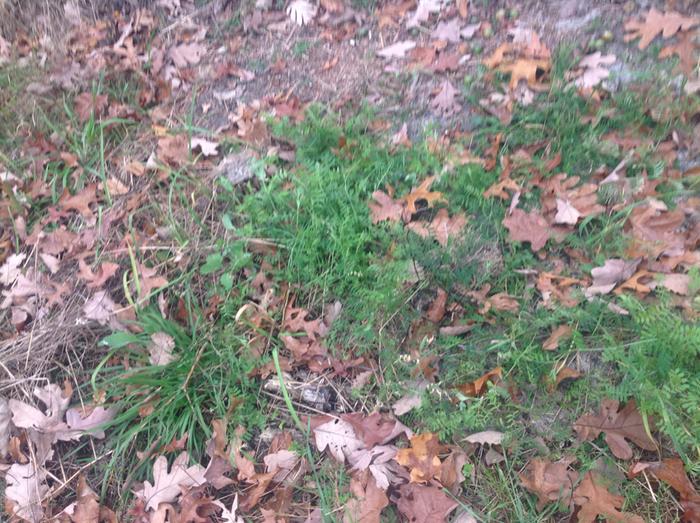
[{"x": 661, "y": 369}]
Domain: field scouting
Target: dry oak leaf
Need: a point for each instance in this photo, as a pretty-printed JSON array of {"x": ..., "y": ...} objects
[
  {"x": 567, "y": 214},
  {"x": 397, "y": 50},
  {"x": 672, "y": 471},
  {"x": 421, "y": 458},
  {"x": 186, "y": 54},
  {"x": 527, "y": 42},
  {"x": 442, "y": 227},
  {"x": 160, "y": 350},
  {"x": 206, "y": 147},
  {"x": 487, "y": 437},
  {"x": 447, "y": 31},
  {"x": 166, "y": 484},
  {"x": 685, "y": 49},
  {"x": 527, "y": 69},
  {"x": 595, "y": 500},
  {"x": 593, "y": 68},
  {"x": 333, "y": 6},
  {"x": 528, "y": 227},
  {"x": 87, "y": 104},
  {"x": 173, "y": 150},
  {"x": 463, "y": 8},
  {"x": 368, "y": 502},
  {"x": 420, "y": 194},
  {"x": 400, "y": 138},
  {"x": 444, "y": 101},
  {"x": 379, "y": 460},
  {"x": 423, "y": 11},
  {"x": 149, "y": 280},
  {"x": 549, "y": 481},
  {"x": 498, "y": 56},
  {"x": 97, "y": 279},
  {"x": 301, "y": 11},
  {"x": 406, "y": 404},
  {"x": 436, "y": 310},
  {"x": 26, "y": 487},
  {"x": 498, "y": 189},
  {"x": 678, "y": 283},
  {"x": 618, "y": 426},
  {"x": 376, "y": 429},
  {"x": 339, "y": 437},
  {"x": 80, "y": 202},
  {"x": 564, "y": 373},
  {"x": 612, "y": 272},
  {"x": 655, "y": 23},
  {"x": 101, "y": 308},
  {"x": 561, "y": 332},
  {"x": 385, "y": 208},
  {"x": 478, "y": 386},
  {"x": 424, "y": 504}
]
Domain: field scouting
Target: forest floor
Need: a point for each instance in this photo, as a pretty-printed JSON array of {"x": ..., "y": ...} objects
[{"x": 359, "y": 261}]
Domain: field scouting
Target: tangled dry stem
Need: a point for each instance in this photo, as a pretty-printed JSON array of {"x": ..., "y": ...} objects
[{"x": 52, "y": 343}]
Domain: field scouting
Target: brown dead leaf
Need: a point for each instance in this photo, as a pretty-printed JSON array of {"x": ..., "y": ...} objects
[
  {"x": 672, "y": 471},
  {"x": 80, "y": 202},
  {"x": 436, "y": 311},
  {"x": 549, "y": 481},
  {"x": 614, "y": 271},
  {"x": 528, "y": 43},
  {"x": 442, "y": 227},
  {"x": 333, "y": 6},
  {"x": 479, "y": 386},
  {"x": 397, "y": 50},
  {"x": 498, "y": 56},
  {"x": 384, "y": 207},
  {"x": 149, "y": 280},
  {"x": 656, "y": 23},
  {"x": 528, "y": 227},
  {"x": 421, "y": 458},
  {"x": 595, "y": 500},
  {"x": 186, "y": 54},
  {"x": 424, "y": 504},
  {"x": 400, "y": 138},
  {"x": 447, "y": 31},
  {"x": 528, "y": 69},
  {"x": 97, "y": 279},
  {"x": 565, "y": 373},
  {"x": 498, "y": 189},
  {"x": 618, "y": 426},
  {"x": 444, "y": 101},
  {"x": 487, "y": 437},
  {"x": 368, "y": 500},
  {"x": 463, "y": 8},
  {"x": 593, "y": 70},
  {"x": 166, "y": 483},
  {"x": 634, "y": 283},
  {"x": 376, "y": 429},
  {"x": 26, "y": 487},
  {"x": 339, "y": 437},
  {"x": 88, "y": 104},
  {"x": 173, "y": 150},
  {"x": 561, "y": 332},
  {"x": 160, "y": 349},
  {"x": 418, "y": 194},
  {"x": 685, "y": 49}
]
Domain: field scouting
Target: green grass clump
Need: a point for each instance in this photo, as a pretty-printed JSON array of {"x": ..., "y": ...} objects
[{"x": 208, "y": 379}]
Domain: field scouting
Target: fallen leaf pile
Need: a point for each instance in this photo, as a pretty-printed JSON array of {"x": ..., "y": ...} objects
[
  {"x": 25, "y": 426},
  {"x": 443, "y": 227},
  {"x": 411, "y": 477}
]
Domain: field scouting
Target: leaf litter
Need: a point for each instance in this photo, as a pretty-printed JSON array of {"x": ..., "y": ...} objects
[{"x": 387, "y": 464}]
